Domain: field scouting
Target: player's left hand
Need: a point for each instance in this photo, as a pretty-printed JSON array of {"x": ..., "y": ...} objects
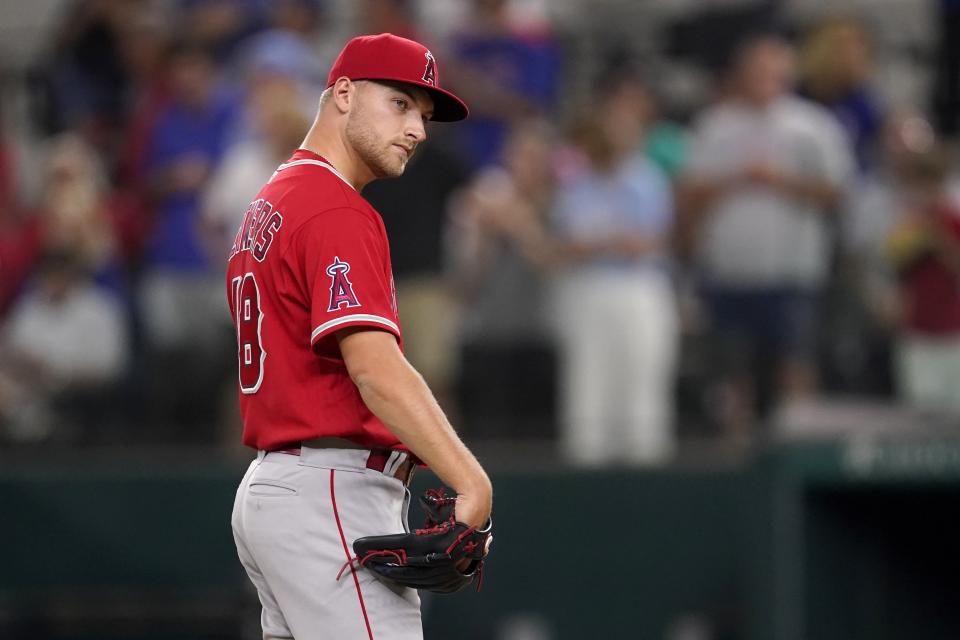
[{"x": 443, "y": 557}]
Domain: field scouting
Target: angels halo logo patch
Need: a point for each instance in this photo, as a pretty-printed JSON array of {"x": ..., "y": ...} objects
[{"x": 341, "y": 289}]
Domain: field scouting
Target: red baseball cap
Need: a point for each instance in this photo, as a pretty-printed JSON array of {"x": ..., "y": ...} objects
[{"x": 390, "y": 57}]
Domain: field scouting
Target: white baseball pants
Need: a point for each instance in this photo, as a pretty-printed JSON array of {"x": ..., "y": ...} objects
[{"x": 294, "y": 522}]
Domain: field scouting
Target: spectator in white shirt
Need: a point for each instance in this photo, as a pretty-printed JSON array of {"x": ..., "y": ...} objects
[
  {"x": 766, "y": 169},
  {"x": 64, "y": 344}
]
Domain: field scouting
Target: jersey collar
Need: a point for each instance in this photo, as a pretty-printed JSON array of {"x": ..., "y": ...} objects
[{"x": 304, "y": 156}]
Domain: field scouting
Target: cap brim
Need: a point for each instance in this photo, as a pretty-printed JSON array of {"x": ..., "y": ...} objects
[{"x": 446, "y": 106}]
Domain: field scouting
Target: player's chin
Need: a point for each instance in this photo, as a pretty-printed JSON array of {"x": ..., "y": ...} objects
[
  {"x": 388, "y": 169},
  {"x": 394, "y": 169}
]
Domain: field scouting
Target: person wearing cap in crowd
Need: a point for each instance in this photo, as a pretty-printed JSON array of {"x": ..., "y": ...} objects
[{"x": 338, "y": 416}]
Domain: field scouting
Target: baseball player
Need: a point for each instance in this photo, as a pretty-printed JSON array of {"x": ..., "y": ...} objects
[{"x": 337, "y": 415}]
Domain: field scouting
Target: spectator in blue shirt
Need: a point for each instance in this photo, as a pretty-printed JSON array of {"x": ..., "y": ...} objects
[
  {"x": 504, "y": 73},
  {"x": 836, "y": 64},
  {"x": 186, "y": 143}
]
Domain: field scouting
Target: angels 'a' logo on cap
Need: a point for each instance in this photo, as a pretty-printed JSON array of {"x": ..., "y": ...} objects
[
  {"x": 430, "y": 72},
  {"x": 341, "y": 289}
]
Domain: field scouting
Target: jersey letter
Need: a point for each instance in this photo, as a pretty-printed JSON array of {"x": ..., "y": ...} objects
[{"x": 430, "y": 72}]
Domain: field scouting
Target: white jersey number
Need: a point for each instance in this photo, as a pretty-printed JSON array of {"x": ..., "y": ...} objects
[{"x": 248, "y": 319}]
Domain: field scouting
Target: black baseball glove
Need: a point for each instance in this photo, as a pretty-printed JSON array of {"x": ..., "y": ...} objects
[{"x": 444, "y": 556}]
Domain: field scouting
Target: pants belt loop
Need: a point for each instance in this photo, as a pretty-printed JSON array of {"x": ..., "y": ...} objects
[
  {"x": 389, "y": 462},
  {"x": 378, "y": 459}
]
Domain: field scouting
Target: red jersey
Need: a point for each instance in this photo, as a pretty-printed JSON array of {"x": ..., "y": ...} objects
[{"x": 310, "y": 258}]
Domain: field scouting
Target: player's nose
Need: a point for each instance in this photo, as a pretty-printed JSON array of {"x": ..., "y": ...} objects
[{"x": 416, "y": 130}]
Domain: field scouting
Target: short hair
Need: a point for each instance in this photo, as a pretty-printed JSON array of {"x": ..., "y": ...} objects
[{"x": 328, "y": 92}]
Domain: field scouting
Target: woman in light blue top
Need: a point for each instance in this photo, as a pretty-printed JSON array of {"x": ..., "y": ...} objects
[{"x": 614, "y": 303}]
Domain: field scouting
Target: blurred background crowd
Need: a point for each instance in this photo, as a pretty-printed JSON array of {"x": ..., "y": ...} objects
[{"x": 664, "y": 223}]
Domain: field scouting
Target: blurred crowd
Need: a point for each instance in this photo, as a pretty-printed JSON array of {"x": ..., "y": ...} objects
[{"x": 582, "y": 261}]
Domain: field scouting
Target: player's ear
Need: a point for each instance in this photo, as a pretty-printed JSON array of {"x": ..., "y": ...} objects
[{"x": 344, "y": 94}]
